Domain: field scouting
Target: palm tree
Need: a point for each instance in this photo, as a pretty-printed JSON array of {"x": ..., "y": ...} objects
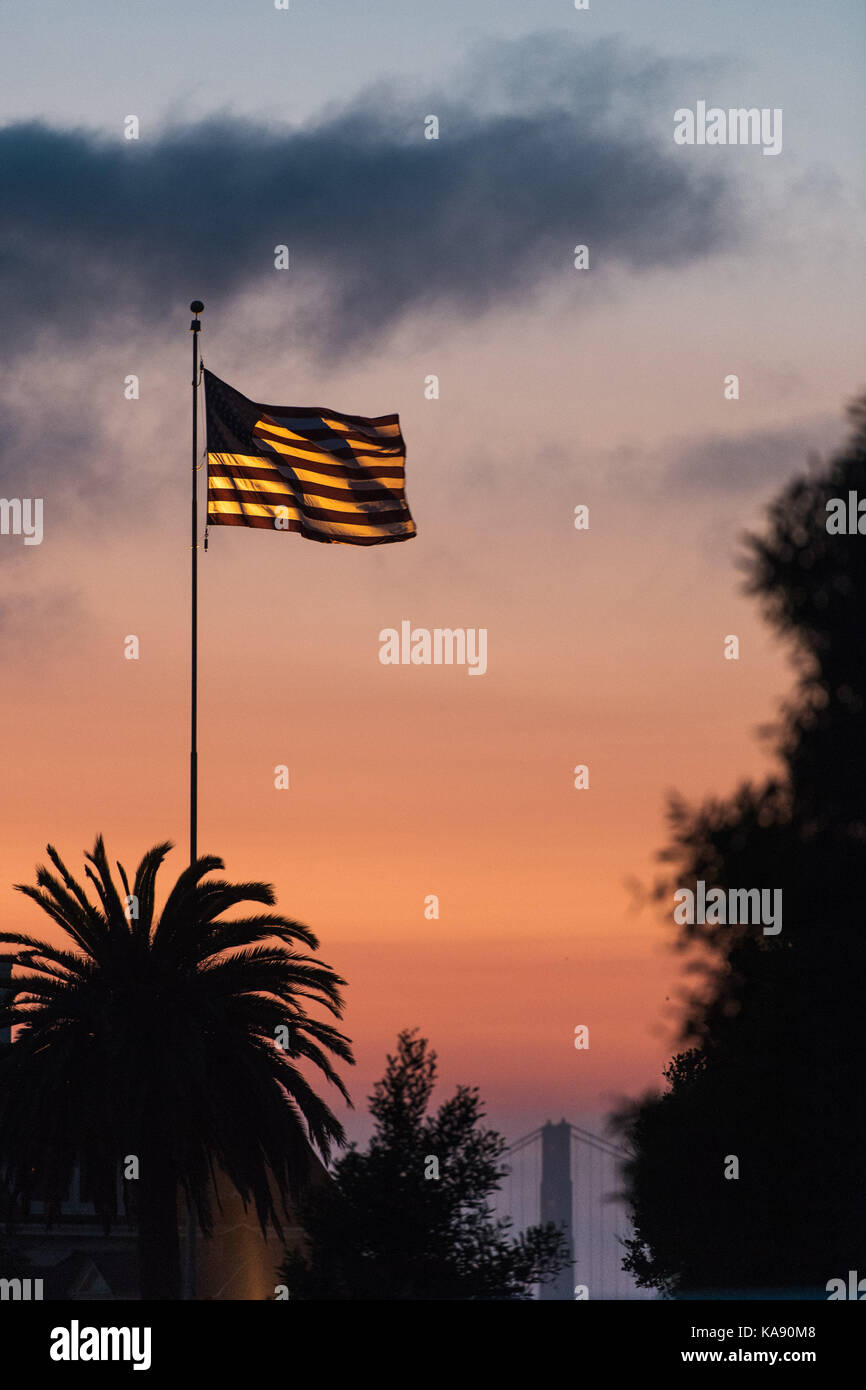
[{"x": 160, "y": 1036}]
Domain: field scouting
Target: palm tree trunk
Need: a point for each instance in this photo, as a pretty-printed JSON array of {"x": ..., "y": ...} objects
[{"x": 158, "y": 1238}]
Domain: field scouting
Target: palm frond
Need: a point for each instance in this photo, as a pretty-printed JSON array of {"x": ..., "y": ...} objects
[
  {"x": 145, "y": 887},
  {"x": 84, "y": 939},
  {"x": 224, "y": 936},
  {"x": 104, "y": 883}
]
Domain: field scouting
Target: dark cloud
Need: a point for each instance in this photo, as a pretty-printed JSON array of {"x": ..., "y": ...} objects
[
  {"x": 380, "y": 222},
  {"x": 38, "y": 440},
  {"x": 750, "y": 462}
]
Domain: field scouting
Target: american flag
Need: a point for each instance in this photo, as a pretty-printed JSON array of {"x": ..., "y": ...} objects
[{"x": 332, "y": 477}]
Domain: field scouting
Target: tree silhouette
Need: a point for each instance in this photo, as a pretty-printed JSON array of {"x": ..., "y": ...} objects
[
  {"x": 410, "y": 1218},
  {"x": 155, "y": 1036},
  {"x": 772, "y": 1071}
]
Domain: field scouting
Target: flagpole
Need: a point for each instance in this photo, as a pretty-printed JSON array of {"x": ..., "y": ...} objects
[
  {"x": 195, "y": 327},
  {"x": 196, "y": 306}
]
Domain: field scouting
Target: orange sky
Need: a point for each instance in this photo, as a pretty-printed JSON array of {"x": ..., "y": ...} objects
[{"x": 604, "y": 648}]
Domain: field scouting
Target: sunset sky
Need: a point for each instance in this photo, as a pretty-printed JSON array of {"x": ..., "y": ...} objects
[{"x": 558, "y": 387}]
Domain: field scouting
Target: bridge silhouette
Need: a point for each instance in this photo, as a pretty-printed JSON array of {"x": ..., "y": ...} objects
[{"x": 566, "y": 1174}]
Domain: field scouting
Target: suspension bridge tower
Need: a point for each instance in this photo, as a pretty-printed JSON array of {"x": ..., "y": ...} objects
[{"x": 556, "y": 1199}]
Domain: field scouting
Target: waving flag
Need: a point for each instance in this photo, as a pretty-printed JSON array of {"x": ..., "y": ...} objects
[{"x": 332, "y": 477}]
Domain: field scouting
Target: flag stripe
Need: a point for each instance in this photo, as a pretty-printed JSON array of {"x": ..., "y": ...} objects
[
  {"x": 386, "y": 445},
  {"x": 266, "y": 524},
  {"x": 317, "y": 509},
  {"x": 270, "y": 515},
  {"x": 330, "y": 477},
  {"x": 311, "y": 417},
  {"x": 314, "y": 455},
  {"x": 326, "y": 422},
  {"x": 255, "y": 466},
  {"x": 370, "y": 499}
]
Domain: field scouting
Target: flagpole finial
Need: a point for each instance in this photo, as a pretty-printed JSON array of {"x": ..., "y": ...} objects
[{"x": 197, "y": 308}]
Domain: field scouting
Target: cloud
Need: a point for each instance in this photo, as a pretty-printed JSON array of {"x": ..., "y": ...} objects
[
  {"x": 380, "y": 222},
  {"x": 34, "y": 609},
  {"x": 750, "y": 462}
]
